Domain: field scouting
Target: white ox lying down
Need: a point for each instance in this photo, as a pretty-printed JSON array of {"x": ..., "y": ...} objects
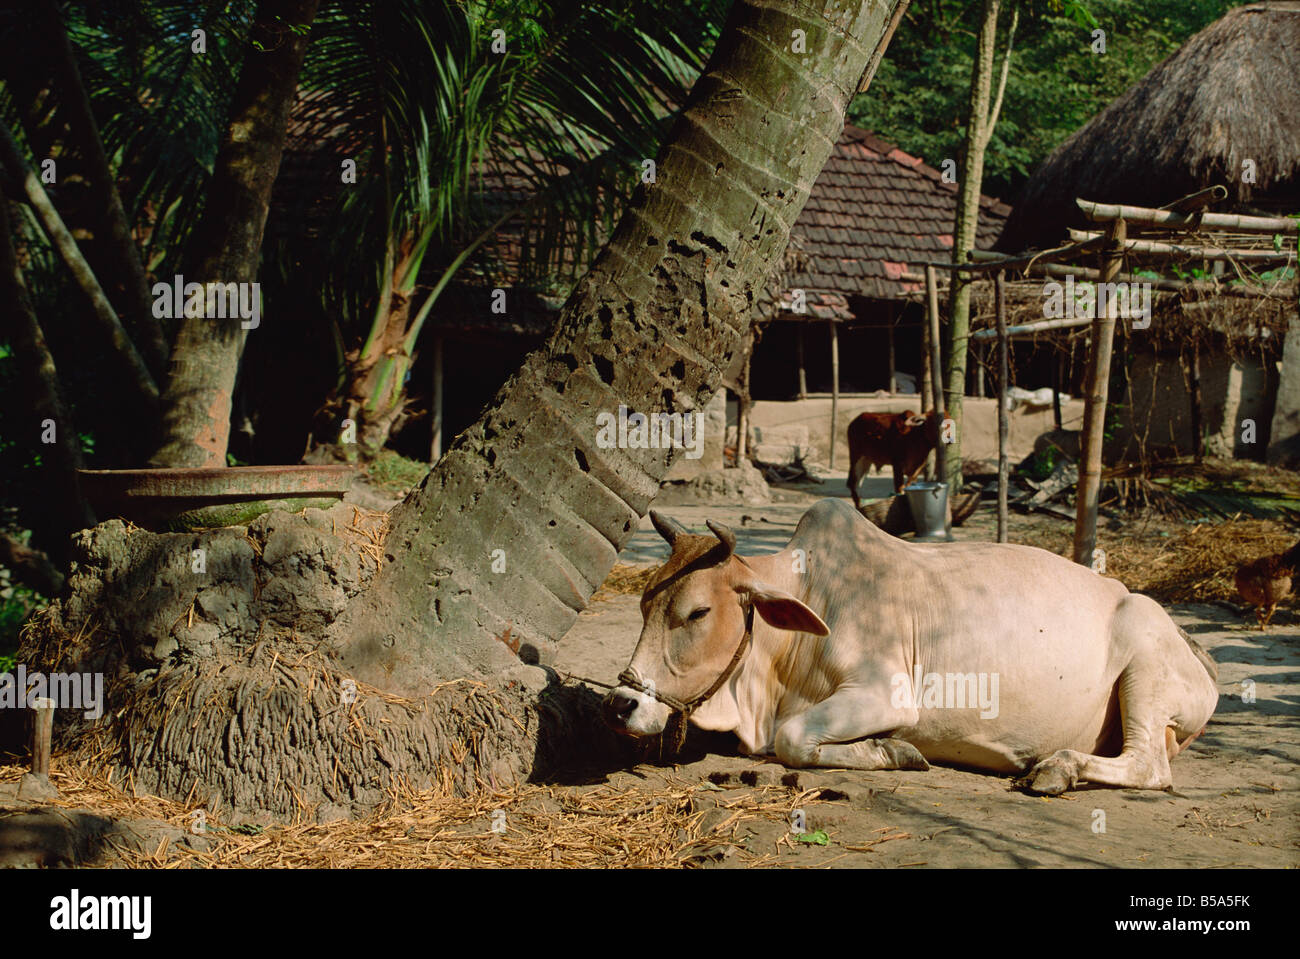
[{"x": 1071, "y": 666}]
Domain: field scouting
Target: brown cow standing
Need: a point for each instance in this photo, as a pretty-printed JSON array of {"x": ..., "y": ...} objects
[{"x": 903, "y": 440}]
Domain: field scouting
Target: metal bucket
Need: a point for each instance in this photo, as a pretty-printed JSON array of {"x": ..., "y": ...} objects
[{"x": 929, "y": 505}]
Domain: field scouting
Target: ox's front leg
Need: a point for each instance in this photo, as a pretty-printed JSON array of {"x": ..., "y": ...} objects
[{"x": 834, "y": 734}]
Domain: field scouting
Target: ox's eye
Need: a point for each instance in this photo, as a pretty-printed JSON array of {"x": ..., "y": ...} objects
[{"x": 698, "y": 614}]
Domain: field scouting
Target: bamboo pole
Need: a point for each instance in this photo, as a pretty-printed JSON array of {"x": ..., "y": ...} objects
[
  {"x": 1279, "y": 291},
  {"x": 1028, "y": 329},
  {"x": 42, "y": 735},
  {"x": 1146, "y": 216},
  {"x": 1198, "y": 200},
  {"x": 983, "y": 265},
  {"x": 1004, "y": 426},
  {"x": 835, "y": 387},
  {"x": 1094, "y": 415},
  {"x": 1156, "y": 247}
]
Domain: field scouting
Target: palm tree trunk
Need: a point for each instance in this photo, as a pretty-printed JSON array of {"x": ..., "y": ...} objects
[
  {"x": 652, "y": 327},
  {"x": 205, "y": 356}
]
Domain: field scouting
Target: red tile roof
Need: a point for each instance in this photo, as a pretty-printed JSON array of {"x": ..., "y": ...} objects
[{"x": 873, "y": 214}]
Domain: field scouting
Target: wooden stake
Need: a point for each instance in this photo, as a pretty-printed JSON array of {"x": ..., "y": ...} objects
[
  {"x": 1058, "y": 376},
  {"x": 42, "y": 735},
  {"x": 1004, "y": 425},
  {"x": 1197, "y": 439},
  {"x": 1096, "y": 390},
  {"x": 835, "y": 387}
]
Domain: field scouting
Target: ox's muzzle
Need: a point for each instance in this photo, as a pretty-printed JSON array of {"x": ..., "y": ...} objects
[{"x": 633, "y": 712}]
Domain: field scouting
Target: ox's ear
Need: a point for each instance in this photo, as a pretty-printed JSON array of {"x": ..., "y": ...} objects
[{"x": 780, "y": 609}]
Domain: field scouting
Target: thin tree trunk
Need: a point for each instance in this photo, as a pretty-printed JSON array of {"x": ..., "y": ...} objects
[
  {"x": 981, "y": 118},
  {"x": 67, "y": 510},
  {"x": 503, "y": 542},
  {"x": 205, "y": 356}
]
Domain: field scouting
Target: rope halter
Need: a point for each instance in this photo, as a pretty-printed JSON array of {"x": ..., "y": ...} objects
[{"x": 628, "y": 678}]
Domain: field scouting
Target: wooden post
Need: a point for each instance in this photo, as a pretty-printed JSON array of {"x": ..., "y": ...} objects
[
  {"x": 803, "y": 375},
  {"x": 1096, "y": 391},
  {"x": 1058, "y": 375},
  {"x": 42, "y": 735},
  {"x": 435, "y": 402},
  {"x": 927, "y": 392},
  {"x": 835, "y": 387},
  {"x": 742, "y": 413},
  {"x": 1004, "y": 424},
  {"x": 936, "y": 369},
  {"x": 1197, "y": 426},
  {"x": 893, "y": 380}
]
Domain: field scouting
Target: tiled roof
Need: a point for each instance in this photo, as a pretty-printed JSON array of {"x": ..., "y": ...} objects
[{"x": 873, "y": 214}]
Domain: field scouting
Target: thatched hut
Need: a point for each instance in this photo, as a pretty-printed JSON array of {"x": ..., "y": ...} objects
[{"x": 1220, "y": 110}]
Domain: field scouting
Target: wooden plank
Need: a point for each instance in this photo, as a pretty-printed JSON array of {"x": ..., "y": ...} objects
[
  {"x": 1096, "y": 394},
  {"x": 1147, "y": 216}
]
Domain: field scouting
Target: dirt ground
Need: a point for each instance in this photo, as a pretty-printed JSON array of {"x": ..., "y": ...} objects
[{"x": 1234, "y": 802}]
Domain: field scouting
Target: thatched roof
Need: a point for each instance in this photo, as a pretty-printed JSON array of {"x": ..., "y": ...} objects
[{"x": 1228, "y": 95}]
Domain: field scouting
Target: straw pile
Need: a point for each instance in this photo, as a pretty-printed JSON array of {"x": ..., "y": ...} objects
[{"x": 544, "y": 826}]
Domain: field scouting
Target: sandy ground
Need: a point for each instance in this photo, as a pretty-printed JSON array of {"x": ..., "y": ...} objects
[{"x": 1234, "y": 802}]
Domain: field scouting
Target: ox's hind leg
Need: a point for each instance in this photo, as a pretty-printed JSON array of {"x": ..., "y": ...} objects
[
  {"x": 857, "y": 470},
  {"x": 834, "y": 734},
  {"x": 1166, "y": 691},
  {"x": 1142, "y": 764}
]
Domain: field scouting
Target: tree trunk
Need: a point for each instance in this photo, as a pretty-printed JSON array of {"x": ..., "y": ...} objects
[
  {"x": 205, "y": 356},
  {"x": 490, "y": 559},
  {"x": 981, "y": 118}
]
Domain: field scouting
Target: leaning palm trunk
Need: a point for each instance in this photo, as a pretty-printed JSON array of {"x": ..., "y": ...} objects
[
  {"x": 504, "y": 541},
  {"x": 205, "y": 356}
]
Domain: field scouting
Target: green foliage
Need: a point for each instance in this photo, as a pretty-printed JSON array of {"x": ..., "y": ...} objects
[
  {"x": 1041, "y": 464},
  {"x": 920, "y": 96},
  {"x": 394, "y": 472},
  {"x": 17, "y": 602}
]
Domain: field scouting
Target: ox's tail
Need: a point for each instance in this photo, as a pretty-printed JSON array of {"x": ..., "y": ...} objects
[{"x": 1198, "y": 650}]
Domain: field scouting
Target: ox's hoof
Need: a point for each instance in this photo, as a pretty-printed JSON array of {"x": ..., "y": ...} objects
[
  {"x": 1052, "y": 776},
  {"x": 903, "y": 755}
]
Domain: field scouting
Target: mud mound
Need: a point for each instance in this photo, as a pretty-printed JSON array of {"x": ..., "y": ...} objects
[{"x": 219, "y": 691}]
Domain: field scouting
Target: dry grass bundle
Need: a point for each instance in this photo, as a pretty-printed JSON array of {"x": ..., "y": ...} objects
[
  {"x": 544, "y": 826},
  {"x": 1197, "y": 564},
  {"x": 624, "y": 579}
]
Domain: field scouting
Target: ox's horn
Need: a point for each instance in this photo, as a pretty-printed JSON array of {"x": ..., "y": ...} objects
[
  {"x": 668, "y": 527},
  {"x": 724, "y": 534}
]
